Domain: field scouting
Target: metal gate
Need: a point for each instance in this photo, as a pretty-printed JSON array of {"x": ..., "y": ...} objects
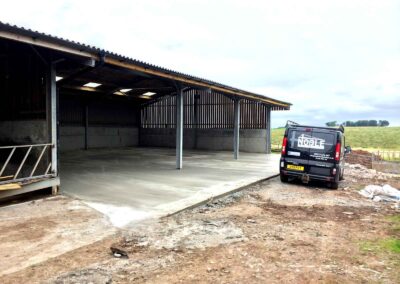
[{"x": 17, "y": 169}]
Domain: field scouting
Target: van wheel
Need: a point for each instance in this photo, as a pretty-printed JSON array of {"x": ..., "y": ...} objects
[
  {"x": 283, "y": 178},
  {"x": 334, "y": 185}
]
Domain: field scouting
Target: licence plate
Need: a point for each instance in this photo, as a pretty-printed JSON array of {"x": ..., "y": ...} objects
[{"x": 294, "y": 167}]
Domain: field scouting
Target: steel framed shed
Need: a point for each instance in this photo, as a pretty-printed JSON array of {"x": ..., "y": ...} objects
[{"x": 54, "y": 89}]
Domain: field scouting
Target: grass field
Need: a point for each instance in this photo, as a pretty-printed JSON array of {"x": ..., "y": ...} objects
[{"x": 368, "y": 138}]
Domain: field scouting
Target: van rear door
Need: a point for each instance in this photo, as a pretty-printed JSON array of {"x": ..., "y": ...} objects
[
  {"x": 297, "y": 156},
  {"x": 322, "y": 152}
]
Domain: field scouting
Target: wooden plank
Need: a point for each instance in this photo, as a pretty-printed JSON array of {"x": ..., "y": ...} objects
[
  {"x": 6, "y": 177},
  {"x": 9, "y": 186},
  {"x": 43, "y": 43}
]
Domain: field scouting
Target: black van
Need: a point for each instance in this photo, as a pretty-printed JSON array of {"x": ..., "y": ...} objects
[{"x": 313, "y": 153}]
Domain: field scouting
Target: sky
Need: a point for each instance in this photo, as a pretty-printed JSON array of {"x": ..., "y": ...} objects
[{"x": 333, "y": 60}]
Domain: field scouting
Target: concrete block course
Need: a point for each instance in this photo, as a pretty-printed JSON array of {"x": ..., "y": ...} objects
[
  {"x": 73, "y": 137},
  {"x": 23, "y": 132},
  {"x": 251, "y": 140}
]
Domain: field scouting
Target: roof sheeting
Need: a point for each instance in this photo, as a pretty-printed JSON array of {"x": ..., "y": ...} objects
[{"x": 63, "y": 45}]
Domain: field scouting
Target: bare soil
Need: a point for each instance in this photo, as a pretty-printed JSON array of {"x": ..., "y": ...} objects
[
  {"x": 34, "y": 231},
  {"x": 270, "y": 232}
]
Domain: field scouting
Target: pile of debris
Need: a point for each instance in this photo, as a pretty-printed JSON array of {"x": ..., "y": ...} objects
[
  {"x": 384, "y": 193},
  {"x": 178, "y": 234},
  {"x": 354, "y": 172},
  {"x": 361, "y": 157}
]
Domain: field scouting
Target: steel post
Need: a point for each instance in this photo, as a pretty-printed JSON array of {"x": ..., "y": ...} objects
[
  {"x": 179, "y": 128},
  {"x": 52, "y": 119},
  {"x": 236, "y": 131},
  {"x": 195, "y": 117},
  {"x": 268, "y": 124}
]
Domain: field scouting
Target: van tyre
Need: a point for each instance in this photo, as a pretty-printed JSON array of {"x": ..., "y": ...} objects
[
  {"x": 284, "y": 178},
  {"x": 334, "y": 185}
]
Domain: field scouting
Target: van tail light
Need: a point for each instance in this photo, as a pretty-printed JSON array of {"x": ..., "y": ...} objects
[
  {"x": 337, "y": 152},
  {"x": 284, "y": 142},
  {"x": 334, "y": 171}
]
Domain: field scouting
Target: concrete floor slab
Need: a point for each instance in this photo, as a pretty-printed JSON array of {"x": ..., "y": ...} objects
[{"x": 130, "y": 184}]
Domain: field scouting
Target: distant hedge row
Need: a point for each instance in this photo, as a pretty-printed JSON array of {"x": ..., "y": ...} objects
[{"x": 360, "y": 123}]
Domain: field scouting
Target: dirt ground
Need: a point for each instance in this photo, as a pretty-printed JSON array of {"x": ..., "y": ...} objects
[
  {"x": 268, "y": 233},
  {"x": 34, "y": 231}
]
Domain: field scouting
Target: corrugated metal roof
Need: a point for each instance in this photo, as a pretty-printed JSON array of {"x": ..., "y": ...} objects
[{"x": 54, "y": 42}]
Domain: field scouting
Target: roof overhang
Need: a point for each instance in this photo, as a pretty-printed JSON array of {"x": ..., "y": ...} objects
[{"x": 77, "y": 49}]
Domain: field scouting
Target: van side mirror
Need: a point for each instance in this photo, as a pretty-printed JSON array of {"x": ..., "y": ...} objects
[{"x": 347, "y": 150}]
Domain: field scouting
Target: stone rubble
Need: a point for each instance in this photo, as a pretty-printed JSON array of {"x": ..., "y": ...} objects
[{"x": 355, "y": 172}]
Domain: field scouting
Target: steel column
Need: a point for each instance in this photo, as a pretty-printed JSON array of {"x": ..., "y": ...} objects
[
  {"x": 268, "y": 124},
  {"x": 195, "y": 117},
  {"x": 236, "y": 132},
  {"x": 52, "y": 119},
  {"x": 179, "y": 127}
]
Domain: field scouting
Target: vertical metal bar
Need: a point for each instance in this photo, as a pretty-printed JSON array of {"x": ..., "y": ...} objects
[
  {"x": 7, "y": 161},
  {"x": 163, "y": 109},
  {"x": 179, "y": 128},
  {"x": 241, "y": 115},
  {"x": 169, "y": 107},
  {"x": 175, "y": 111},
  {"x": 195, "y": 117},
  {"x": 52, "y": 116},
  {"x": 38, "y": 161},
  {"x": 218, "y": 110},
  {"x": 212, "y": 109},
  {"x": 268, "y": 124},
  {"x": 236, "y": 129},
  {"x": 200, "y": 110},
  {"x": 247, "y": 119},
  {"x": 23, "y": 162},
  {"x": 207, "y": 110},
  {"x": 184, "y": 110},
  {"x": 206, "y": 113}
]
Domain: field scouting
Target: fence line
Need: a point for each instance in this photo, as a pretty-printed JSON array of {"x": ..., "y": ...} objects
[{"x": 388, "y": 155}]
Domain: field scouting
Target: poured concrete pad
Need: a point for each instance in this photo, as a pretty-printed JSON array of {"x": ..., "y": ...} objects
[{"x": 131, "y": 184}]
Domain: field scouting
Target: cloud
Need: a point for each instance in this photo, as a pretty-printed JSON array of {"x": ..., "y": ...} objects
[{"x": 334, "y": 60}]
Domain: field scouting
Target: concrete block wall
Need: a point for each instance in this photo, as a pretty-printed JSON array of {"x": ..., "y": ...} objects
[
  {"x": 251, "y": 140},
  {"x": 21, "y": 132},
  {"x": 165, "y": 137},
  {"x": 73, "y": 137}
]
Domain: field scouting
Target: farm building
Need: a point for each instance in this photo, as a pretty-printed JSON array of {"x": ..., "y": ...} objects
[{"x": 72, "y": 113}]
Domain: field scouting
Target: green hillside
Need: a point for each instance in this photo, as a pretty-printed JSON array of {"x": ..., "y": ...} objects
[{"x": 371, "y": 138}]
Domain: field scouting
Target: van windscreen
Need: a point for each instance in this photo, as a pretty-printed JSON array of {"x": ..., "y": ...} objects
[{"x": 300, "y": 140}]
